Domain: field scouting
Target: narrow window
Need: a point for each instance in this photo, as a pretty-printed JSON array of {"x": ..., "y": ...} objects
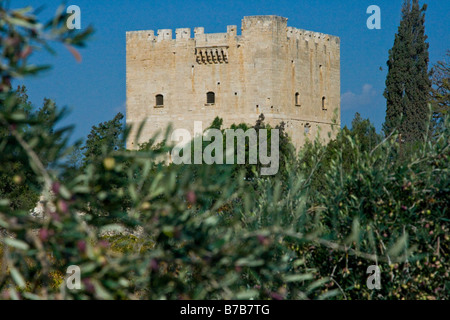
[
  {"x": 297, "y": 99},
  {"x": 159, "y": 100},
  {"x": 210, "y": 98},
  {"x": 324, "y": 103}
]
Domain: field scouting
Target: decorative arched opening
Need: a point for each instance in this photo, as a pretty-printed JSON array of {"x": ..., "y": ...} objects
[
  {"x": 324, "y": 103},
  {"x": 159, "y": 100},
  {"x": 297, "y": 99},
  {"x": 210, "y": 97}
]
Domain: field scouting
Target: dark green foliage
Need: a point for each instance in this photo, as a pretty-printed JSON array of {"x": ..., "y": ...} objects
[
  {"x": 209, "y": 233},
  {"x": 377, "y": 199},
  {"x": 440, "y": 92},
  {"x": 408, "y": 83},
  {"x": 104, "y": 138},
  {"x": 18, "y": 180},
  {"x": 286, "y": 149},
  {"x": 75, "y": 157},
  {"x": 20, "y": 35},
  {"x": 315, "y": 156}
]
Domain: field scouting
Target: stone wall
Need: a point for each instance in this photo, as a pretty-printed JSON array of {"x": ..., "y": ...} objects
[{"x": 288, "y": 74}]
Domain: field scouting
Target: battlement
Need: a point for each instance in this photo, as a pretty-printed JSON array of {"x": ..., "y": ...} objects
[
  {"x": 249, "y": 26},
  {"x": 180, "y": 34},
  {"x": 301, "y": 34}
]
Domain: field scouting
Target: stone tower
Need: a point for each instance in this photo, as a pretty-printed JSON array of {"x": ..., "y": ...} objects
[{"x": 288, "y": 74}]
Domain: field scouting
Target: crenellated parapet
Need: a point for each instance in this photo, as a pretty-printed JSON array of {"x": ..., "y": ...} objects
[
  {"x": 249, "y": 25},
  {"x": 140, "y": 35},
  {"x": 164, "y": 34},
  {"x": 305, "y": 35},
  {"x": 210, "y": 48},
  {"x": 182, "y": 34}
]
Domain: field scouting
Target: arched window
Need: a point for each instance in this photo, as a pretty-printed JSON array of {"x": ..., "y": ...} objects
[
  {"x": 210, "y": 98},
  {"x": 159, "y": 100},
  {"x": 324, "y": 103},
  {"x": 297, "y": 99}
]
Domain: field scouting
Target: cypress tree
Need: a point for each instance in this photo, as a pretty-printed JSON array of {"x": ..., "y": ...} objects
[
  {"x": 440, "y": 93},
  {"x": 408, "y": 82}
]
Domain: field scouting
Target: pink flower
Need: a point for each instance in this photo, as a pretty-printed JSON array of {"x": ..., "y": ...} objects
[
  {"x": 55, "y": 187},
  {"x": 55, "y": 216},
  {"x": 44, "y": 234},
  {"x": 276, "y": 296},
  {"x": 263, "y": 240},
  {"x": 25, "y": 53},
  {"x": 81, "y": 245},
  {"x": 191, "y": 197},
  {"x": 88, "y": 285},
  {"x": 103, "y": 244},
  {"x": 154, "y": 265},
  {"x": 62, "y": 206},
  {"x": 5, "y": 294}
]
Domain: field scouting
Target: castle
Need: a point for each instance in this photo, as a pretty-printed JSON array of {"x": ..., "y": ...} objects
[{"x": 288, "y": 74}]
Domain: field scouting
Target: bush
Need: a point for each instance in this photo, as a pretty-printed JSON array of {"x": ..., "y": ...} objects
[{"x": 385, "y": 199}]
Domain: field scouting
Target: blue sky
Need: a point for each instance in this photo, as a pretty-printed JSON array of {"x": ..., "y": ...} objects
[{"x": 95, "y": 88}]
